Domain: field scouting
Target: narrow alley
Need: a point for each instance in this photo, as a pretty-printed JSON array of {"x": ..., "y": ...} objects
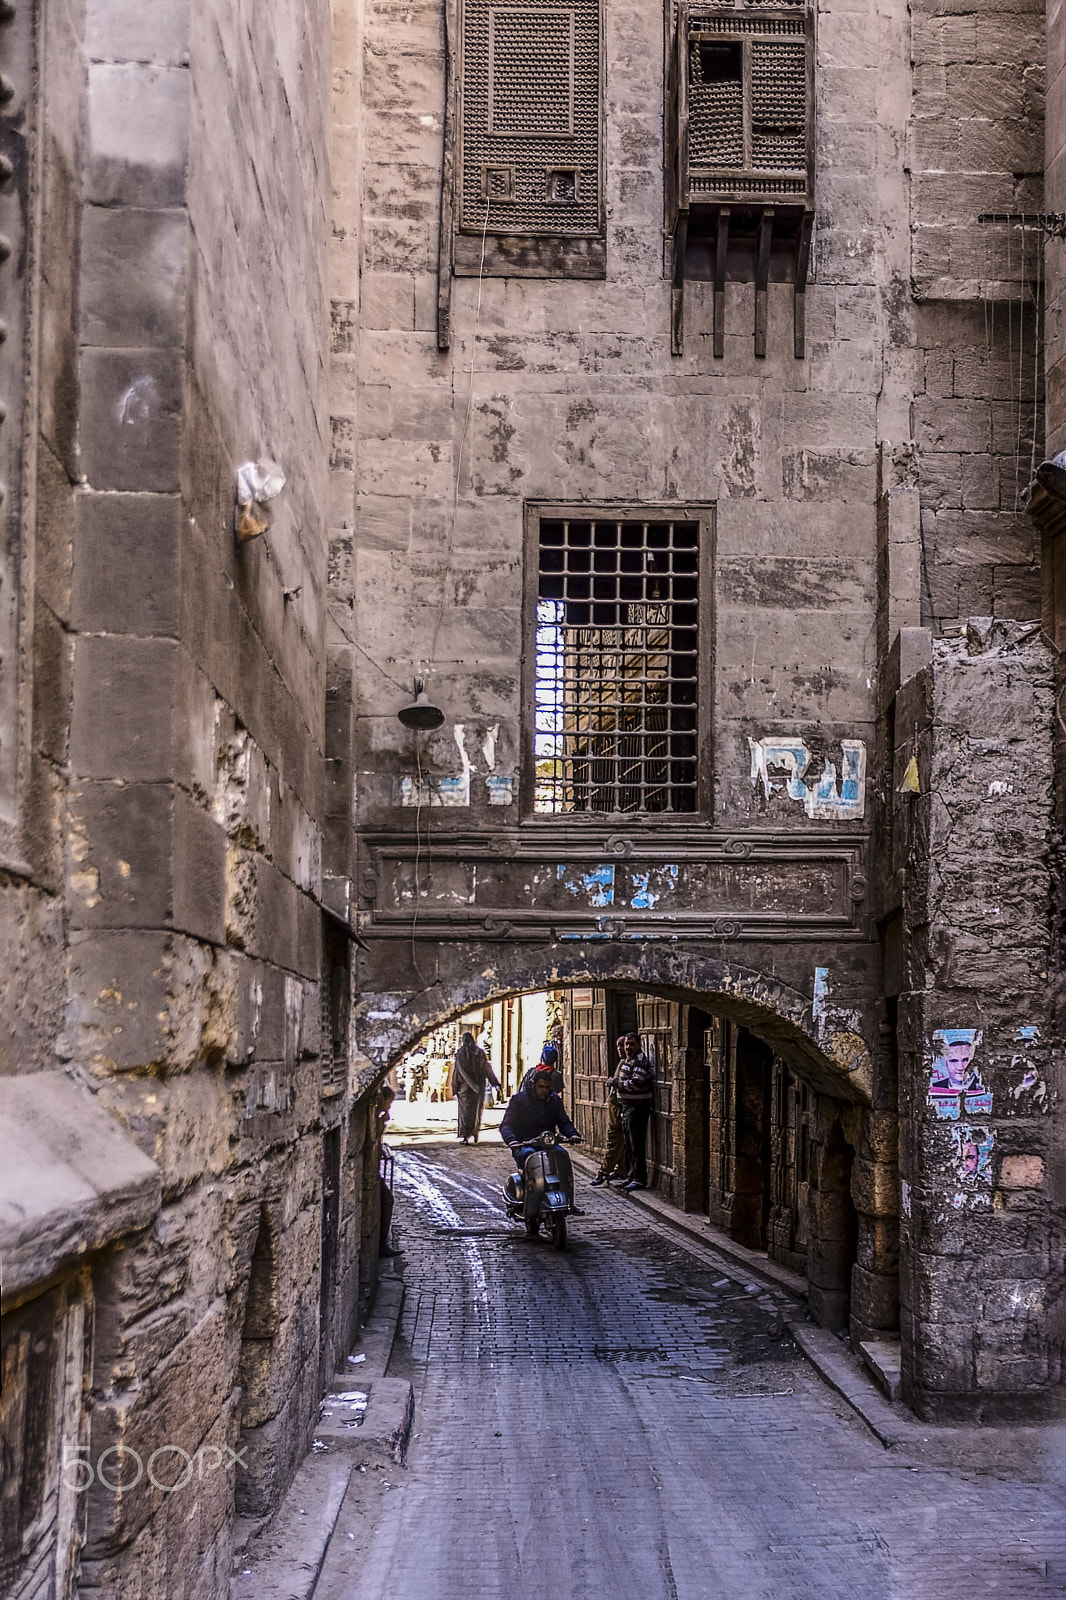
[{"x": 619, "y": 1420}]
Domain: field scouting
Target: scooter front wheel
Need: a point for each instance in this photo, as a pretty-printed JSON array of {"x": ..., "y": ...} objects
[
  {"x": 532, "y": 1227},
  {"x": 559, "y": 1232}
]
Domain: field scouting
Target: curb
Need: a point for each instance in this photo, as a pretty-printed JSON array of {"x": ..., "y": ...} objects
[
  {"x": 754, "y": 1262},
  {"x": 832, "y": 1363},
  {"x": 285, "y": 1558}
]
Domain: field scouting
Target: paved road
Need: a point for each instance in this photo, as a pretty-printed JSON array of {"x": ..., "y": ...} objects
[{"x": 615, "y": 1422}]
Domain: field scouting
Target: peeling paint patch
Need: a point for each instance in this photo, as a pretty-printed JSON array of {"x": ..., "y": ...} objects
[
  {"x": 822, "y": 800},
  {"x": 650, "y": 886},
  {"x": 597, "y": 885},
  {"x": 501, "y": 791},
  {"x": 820, "y": 1003},
  {"x": 488, "y": 745}
]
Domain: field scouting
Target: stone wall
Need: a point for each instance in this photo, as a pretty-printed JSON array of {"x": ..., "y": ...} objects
[
  {"x": 162, "y": 926},
  {"x": 975, "y": 147},
  {"x": 982, "y": 1215}
]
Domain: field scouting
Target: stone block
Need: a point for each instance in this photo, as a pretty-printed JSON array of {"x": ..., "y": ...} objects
[
  {"x": 123, "y": 704},
  {"x": 828, "y": 1307},
  {"x": 137, "y": 31},
  {"x": 1022, "y": 1172},
  {"x": 138, "y": 134},
  {"x": 199, "y": 872},
  {"x": 126, "y": 563},
  {"x": 1016, "y": 592},
  {"x": 875, "y": 1297},
  {"x": 119, "y": 843},
  {"x": 878, "y": 1246},
  {"x": 133, "y": 277},
  {"x": 387, "y": 300},
  {"x": 875, "y": 1188},
  {"x": 131, "y": 419}
]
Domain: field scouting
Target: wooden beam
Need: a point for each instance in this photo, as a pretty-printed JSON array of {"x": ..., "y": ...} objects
[
  {"x": 677, "y": 288},
  {"x": 762, "y": 278},
  {"x": 721, "y": 250},
  {"x": 803, "y": 259}
]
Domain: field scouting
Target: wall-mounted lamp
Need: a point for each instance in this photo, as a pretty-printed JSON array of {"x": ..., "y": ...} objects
[
  {"x": 421, "y": 714},
  {"x": 1051, "y": 476},
  {"x": 257, "y": 483}
]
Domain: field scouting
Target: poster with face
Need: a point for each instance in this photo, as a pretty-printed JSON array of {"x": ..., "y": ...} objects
[
  {"x": 955, "y": 1087},
  {"x": 973, "y": 1148}
]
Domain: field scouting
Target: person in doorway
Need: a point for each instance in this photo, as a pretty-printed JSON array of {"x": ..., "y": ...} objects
[
  {"x": 635, "y": 1086},
  {"x": 534, "y": 1111},
  {"x": 388, "y": 1095},
  {"x": 472, "y": 1071},
  {"x": 549, "y": 1057},
  {"x": 615, "y": 1163}
]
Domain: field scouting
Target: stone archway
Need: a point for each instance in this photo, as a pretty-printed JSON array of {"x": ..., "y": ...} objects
[
  {"x": 829, "y": 1048},
  {"x": 825, "y": 1045}
]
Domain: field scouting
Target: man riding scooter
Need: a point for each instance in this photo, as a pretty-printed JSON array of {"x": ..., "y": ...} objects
[{"x": 532, "y": 1113}]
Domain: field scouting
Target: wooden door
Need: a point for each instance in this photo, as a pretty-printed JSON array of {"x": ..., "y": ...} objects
[
  {"x": 588, "y": 1059},
  {"x": 658, "y": 1023}
]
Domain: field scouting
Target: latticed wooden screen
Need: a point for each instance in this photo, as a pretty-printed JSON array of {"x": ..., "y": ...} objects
[
  {"x": 530, "y": 118},
  {"x": 748, "y": 103},
  {"x": 335, "y": 999},
  {"x": 617, "y": 666}
]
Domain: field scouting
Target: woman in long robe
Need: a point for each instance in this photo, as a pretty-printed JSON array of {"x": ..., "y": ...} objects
[{"x": 471, "y": 1073}]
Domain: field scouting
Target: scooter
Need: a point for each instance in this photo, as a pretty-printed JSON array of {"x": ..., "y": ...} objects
[{"x": 544, "y": 1190}]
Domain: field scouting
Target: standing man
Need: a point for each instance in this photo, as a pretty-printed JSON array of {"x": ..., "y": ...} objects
[
  {"x": 471, "y": 1073},
  {"x": 635, "y": 1087},
  {"x": 615, "y": 1163}
]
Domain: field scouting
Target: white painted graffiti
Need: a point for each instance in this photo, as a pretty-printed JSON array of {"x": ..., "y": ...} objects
[{"x": 823, "y": 799}]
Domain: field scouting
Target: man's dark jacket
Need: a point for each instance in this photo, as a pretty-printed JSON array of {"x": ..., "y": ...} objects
[{"x": 526, "y": 1116}]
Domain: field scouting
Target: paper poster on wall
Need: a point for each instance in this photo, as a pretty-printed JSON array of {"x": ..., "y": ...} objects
[
  {"x": 955, "y": 1086},
  {"x": 973, "y": 1165}
]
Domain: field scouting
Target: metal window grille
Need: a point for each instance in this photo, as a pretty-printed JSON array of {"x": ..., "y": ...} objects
[{"x": 616, "y": 683}]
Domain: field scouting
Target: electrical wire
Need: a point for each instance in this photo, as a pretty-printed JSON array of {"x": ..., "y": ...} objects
[
  {"x": 377, "y": 664},
  {"x": 462, "y": 439},
  {"x": 1037, "y": 347},
  {"x": 422, "y": 781}
]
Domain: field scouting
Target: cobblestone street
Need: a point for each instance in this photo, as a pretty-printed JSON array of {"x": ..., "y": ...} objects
[{"x": 617, "y": 1421}]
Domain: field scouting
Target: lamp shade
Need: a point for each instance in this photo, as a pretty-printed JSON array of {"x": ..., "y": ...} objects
[{"x": 421, "y": 713}]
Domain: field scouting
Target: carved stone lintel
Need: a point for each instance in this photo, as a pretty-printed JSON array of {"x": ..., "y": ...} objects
[
  {"x": 737, "y": 847},
  {"x": 619, "y": 845},
  {"x": 497, "y": 927},
  {"x": 724, "y": 928}
]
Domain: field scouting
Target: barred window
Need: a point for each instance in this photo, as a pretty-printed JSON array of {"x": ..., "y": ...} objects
[{"x": 616, "y": 683}]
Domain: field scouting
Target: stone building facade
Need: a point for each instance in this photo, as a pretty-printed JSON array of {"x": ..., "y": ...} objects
[
  {"x": 647, "y": 383},
  {"x": 190, "y": 1215},
  {"x": 589, "y": 327}
]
